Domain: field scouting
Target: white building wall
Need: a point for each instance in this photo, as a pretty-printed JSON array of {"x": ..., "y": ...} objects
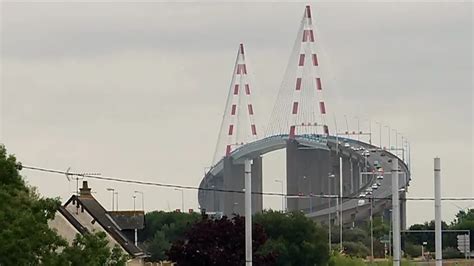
[{"x": 63, "y": 227}]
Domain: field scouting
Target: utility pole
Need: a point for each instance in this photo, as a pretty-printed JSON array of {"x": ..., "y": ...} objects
[
  {"x": 134, "y": 213},
  {"x": 437, "y": 192},
  {"x": 371, "y": 228},
  {"x": 395, "y": 213},
  {"x": 248, "y": 212},
  {"x": 331, "y": 176},
  {"x": 340, "y": 195}
]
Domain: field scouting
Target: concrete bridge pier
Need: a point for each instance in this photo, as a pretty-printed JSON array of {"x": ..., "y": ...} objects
[
  {"x": 307, "y": 171},
  {"x": 234, "y": 202}
]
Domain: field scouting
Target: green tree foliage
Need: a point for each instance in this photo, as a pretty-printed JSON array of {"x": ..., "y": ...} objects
[
  {"x": 92, "y": 249},
  {"x": 355, "y": 249},
  {"x": 25, "y": 237},
  {"x": 295, "y": 239},
  {"x": 163, "y": 228},
  {"x": 412, "y": 250},
  {"x": 219, "y": 242},
  {"x": 464, "y": 221}
]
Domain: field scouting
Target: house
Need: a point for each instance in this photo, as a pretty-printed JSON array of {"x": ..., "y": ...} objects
[{"x": 83, "y": 214}]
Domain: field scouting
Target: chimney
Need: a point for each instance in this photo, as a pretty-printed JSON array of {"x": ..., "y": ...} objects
[{"x": 85, "y": 189}]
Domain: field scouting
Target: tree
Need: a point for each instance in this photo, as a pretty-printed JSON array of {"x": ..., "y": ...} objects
[
  {"x": 92, "y": 249},
  {"x": 163, "y": 228},
  {"x": 219, "y": 242},
  {"x": 294, "y": 238},
  {"x": 464, "y": 221},
  {"x": 25, "y": 237}
]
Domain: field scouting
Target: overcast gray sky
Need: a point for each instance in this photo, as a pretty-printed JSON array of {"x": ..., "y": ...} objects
[{"x": 137, "y": 90}]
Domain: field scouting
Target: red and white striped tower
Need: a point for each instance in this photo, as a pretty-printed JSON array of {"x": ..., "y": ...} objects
[
  {"x": 300, "y": 107},
  {"x": 238, "y": 123}
]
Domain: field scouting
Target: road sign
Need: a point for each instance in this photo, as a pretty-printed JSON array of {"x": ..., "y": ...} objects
[{"x": 464, "y": 243}]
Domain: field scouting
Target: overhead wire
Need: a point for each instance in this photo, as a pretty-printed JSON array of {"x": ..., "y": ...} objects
[{"x": 157, "y": 184}]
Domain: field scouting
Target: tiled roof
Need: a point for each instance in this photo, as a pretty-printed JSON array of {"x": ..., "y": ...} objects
[
  {"x": 129, "y": 219},
  {"x": 93, "y": 207}
]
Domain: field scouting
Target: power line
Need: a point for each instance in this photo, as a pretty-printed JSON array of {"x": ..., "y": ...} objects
[{"x": 147, "y": 183}]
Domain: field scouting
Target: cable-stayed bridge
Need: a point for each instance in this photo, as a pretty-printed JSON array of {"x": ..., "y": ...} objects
[{"x": 316, "y": 157}]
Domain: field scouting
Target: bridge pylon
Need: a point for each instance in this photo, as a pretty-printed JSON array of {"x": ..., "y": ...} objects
[
  {"x": 238, "y": 122},
  {"x": 300, "y": 107}
]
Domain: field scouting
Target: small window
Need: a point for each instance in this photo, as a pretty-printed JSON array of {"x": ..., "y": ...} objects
[
  {"x": 236, "y": 89},
  {"x": 234, "y": 109},
  {"x": 254, "y": 130},
  {"x": 231, "y": 129},
  {"x": 247, "y": 89}
]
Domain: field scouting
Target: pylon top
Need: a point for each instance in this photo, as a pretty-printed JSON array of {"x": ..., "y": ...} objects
[
  {"x": 300, "y": 106},
  {"x": 238, "y": 124}
]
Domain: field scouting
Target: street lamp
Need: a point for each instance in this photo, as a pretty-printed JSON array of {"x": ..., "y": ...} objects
[
  {"x": 283, "y": 209},
  {"x": 396, "y": 141},
  {"x": 389, "y": 133},
  {"x": 330, "y": 176},
  {"x": 182, "y": 197},
  {"x": 347, "y": 124},
  {"x": 113, "y": 193},
  {"x": 358, "y": 127},
  {"x": 116, "y": 200},
  {"x": 371, "y": 228},
  {"x": 143, "y": 198},
  {"x": 380, "y": 133},
  {"x": 134, "y": 198},
  {"x": 370, "y": 130}
]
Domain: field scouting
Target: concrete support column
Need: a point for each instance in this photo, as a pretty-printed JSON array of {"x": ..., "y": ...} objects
[{"x": 234, "y": 180}]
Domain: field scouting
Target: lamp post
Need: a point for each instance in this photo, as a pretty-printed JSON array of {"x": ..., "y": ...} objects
[
  {"x": 330, "y": 176},
  {"x": 182, "y": 197},
  {"x": 283, "y": 209},
  {"x": 380, "y": 134},
  {"x": 143, "y": 198},
  {"x": 390, "y": 235},
  {"x": 347, "y": 124},
  {"x": 113, "y": 193},
  {"x": 403, "y": 148},
  {"x": 116, "y": 200},
  {"x": 358, "y": 127},
  {"x": 389, "y": 133},
  {"x": 370, "y": 131},
  {"x": 371, "y": 228},
  {"x": 396, "y": 141},
  {"x": 134, "y": 198}
]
